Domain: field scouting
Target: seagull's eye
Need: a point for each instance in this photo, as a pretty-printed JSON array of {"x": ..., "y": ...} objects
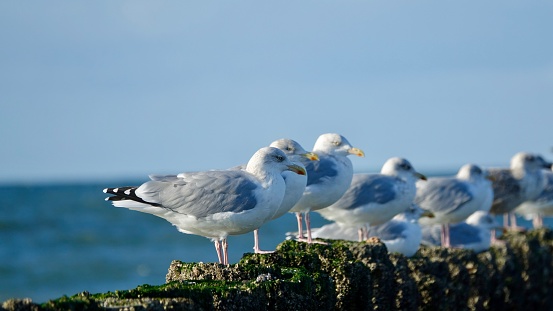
[
  {"x": 279, "y": 158},
  {"x": 406, "y": 166},
  {"x": 336, "y": 143},
  {"x": 530, "y": 158},
  {"x": 288, "y": 148}
]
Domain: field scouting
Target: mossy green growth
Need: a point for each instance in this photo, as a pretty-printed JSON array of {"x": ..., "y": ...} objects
[
  {"x": 269, "y": 282},
  {"x": 198, "y": 294},
  {"x": 82, "y": 301}
]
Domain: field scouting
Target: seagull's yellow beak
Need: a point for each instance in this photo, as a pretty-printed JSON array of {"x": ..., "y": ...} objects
[
  {"x": 297, "y": 169},
  {"x": 356, "y": 151},
  {"x": 420, "y": 176},
  {"x": 428, "y": 214},
  {"x": 311, "y": 156}
]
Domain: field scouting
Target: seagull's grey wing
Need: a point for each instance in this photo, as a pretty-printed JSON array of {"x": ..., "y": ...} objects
[
  {"x": 320, "y": 171},
  {"x": 443, "y": 195},
  {"x": 507, "y": 191},
  {"x": 368, "y": 188},
  {"x": 238, "y": 167},
  {"x": 462, "y": 234},
  {"x": 202, "y": 194},
  {"x": 165, "y": 178},
  {"x": 390, "y": 230}
]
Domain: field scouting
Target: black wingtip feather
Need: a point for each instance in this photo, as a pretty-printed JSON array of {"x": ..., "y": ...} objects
[
  {"x": 121, "y": 191},
  {"x": 126, "y": 193},
  {"x": 116, "y": 198}
]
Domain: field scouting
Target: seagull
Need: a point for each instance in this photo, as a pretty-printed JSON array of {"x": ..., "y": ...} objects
[
  {"x": 454, "y": 199},
  {"x": 474, "y": 233},
  {"x": 523, "y": 181},
  {"x": 214, "y": 204},
  {"x": 402, "y": 234},
  {"x": 295, "y": 183},
  {"x": 327, "y": 179},
  {"x": 541, "y": 206},
  {"x": 373, "y": 199}
]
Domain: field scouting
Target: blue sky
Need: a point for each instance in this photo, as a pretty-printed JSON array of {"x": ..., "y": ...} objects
[{"x": 93, "y": 90}]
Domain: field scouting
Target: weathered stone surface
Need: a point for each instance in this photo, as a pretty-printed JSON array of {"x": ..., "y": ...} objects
[
  {"x": 346, "y": 276},
  {"x": 20, "y": 304}
]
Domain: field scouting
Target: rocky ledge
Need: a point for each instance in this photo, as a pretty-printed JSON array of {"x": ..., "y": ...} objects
[{"x": 346, "y": 276}]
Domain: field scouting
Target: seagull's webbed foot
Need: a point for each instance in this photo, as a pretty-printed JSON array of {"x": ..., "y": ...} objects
[
  {"x": 256, "y": 248},
  {"x": 259, "y": 251}
]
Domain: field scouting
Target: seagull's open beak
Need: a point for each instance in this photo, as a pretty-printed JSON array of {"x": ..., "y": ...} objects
[
  {"x": 420, "y": 176},
  {"x": 297, "y": 169},
  {"x": 356, "y": 151},
  {"x": 311, "y": 156},
  {"x": 428, "y": 214}
]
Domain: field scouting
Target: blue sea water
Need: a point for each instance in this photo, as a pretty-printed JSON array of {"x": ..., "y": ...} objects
[{"x": 62, "y": 239}]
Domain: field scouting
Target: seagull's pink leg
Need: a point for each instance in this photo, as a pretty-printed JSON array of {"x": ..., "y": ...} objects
[
  {"x": 218, "y": 249},
  {"x": 506, "y": 220},
  {"x": 308, "y": 226},
  {"x": 256, "y": 248},
  {"x": 256, "y": 241},
  {"x": 299, "y": 217},
  {"x": 447, "y": 240},
  {"x": 225, "y": 251},
  {"x": 513, "y": 220},
  {"x": 537, "y": 221},
  {"x": 363, "y": 233},
  {"x": 445, "y": 235},
  {"x": 494, "y": 240},
  {"x": 514, "y": 225}
]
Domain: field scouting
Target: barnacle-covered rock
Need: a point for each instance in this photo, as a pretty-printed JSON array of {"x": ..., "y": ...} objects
[{"x": 341, "y": 275}]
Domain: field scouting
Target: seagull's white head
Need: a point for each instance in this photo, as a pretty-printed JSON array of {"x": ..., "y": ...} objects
[
  {"x": 272, "y": 160},
  {"x": 472, "y": 172},
  {"x": 292, "y": 148},
  {"x": 402, "y": 168},
  {"x": 336, "y": 144},
  {"x": 414, "y": 212},
  {"x": 529, "y": 162}
]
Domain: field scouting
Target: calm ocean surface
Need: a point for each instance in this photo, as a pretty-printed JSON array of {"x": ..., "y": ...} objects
[{"x": 63, "y": 239}]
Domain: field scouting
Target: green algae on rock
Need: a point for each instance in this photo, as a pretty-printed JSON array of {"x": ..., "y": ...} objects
[{"x": 346, "y": 276}]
